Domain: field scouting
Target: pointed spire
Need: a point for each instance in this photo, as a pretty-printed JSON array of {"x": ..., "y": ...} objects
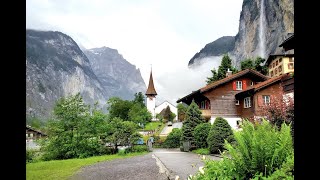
[{"x": 151, "y": 90}]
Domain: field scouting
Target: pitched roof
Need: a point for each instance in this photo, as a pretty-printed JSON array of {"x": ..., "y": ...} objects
[
  {"x": 263, "y": 84},
  {"x": 29, "y": 128},
  {"x": 287, "y": 41},
  {"x": 231, "y": 77},
  {"x": 164, "y": 102},
  {"x": 151, "y": 90}
]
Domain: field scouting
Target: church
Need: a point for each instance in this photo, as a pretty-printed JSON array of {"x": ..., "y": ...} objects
[{"x": 151, "y": 102}]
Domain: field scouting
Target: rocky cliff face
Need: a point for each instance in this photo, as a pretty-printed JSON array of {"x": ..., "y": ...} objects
[
  {"x": 218, "y": 47},
  {"x": 57, "y": 67},
  {"x": 277, "y": 17},
  {"x": 117, "y": 76},
  {"x": 277, "y": 21}
]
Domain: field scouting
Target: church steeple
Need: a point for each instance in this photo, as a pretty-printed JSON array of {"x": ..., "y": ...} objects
[{"x": 151, "y": 90}]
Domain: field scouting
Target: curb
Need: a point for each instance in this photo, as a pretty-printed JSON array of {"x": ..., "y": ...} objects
[{"x": 162, "y": 167}]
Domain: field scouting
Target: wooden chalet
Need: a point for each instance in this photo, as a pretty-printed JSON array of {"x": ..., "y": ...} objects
[
  {"x": 253, "y": 99},
  {"x": 33, "y": 134},
  {"x": 217, "y": 99}
]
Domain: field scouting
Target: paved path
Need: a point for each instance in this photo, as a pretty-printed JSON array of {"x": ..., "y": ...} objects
[
  {"x": 167, "y": 129},
  {"x": 136, "y": 168},
  {"x": 180, "y": 163},
  {"x": 177, "y": 125}
]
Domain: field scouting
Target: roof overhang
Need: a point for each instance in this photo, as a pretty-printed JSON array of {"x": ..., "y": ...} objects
[
  {"x": 273, "y": 56},
  {"x": 227, "y": 79},
  {"x": 189, "y": 95},
  {"x": 288, "y": 44}
]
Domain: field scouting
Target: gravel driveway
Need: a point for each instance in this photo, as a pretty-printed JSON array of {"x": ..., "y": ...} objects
[{"x": 135, "y": 168}]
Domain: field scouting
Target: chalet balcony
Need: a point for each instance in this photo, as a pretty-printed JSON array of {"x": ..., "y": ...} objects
[{"x": 206, "y": 113}]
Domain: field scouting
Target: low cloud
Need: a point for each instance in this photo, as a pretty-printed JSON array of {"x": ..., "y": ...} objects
[{"x": 177, "y": 84}]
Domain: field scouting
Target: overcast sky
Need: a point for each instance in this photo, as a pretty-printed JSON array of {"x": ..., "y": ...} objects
[{"x": 164, "y": 33}]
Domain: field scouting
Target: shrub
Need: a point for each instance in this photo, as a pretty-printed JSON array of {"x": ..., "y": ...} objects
[
  {"x": 285, "y": 172},
  {"x": 201, "y": 134},
  {"x": 158, "y": 141},
  {"x": 122, "y": 152},
  {"x": 219, "y": 132},
  {"x": 30, "y": 155},
  {"x": 137, "y": 148},
  {"x": 203, "y": 151},
  {"x": 173, "y": 139},
  {"x": 261, "y": 151}
]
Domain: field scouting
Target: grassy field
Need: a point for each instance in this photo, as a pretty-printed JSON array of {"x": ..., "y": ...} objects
[
  {"x": 152, "y": 125},
  {"x": 62, "y": 169}
]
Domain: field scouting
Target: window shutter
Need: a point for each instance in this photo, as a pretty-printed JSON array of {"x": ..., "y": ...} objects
[
  {"x": 234, "y": 85},
  {"x": 244, "y": 85},
  {"x": 260, "y": 100}
]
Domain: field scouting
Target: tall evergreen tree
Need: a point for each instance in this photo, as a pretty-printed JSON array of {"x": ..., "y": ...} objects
[
  {"x": 193, "y": 118},
  {"x": 247, "y": 64},
  {"x": 226, "y": 63},
  {"x": 255, "y": 64},
  {"x": 263, "y": 69},
  {"x": 182, "y": 111},
  {"x": 214, "y": 76}
]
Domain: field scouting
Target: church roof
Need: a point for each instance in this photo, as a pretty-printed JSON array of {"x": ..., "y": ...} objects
[{"x": 151, "y": 90}]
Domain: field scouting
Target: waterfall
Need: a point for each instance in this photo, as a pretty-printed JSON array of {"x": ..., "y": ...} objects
[{"x": 262, "y": 36}]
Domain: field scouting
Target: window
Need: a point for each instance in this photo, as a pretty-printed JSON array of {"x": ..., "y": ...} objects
[
  {"x": 251, "y": 84},
  {"x": 280, "y": 68},
  {"x": 290, "y": 66},
  {"x": 275, "y": 71},
  {"x": 271, "y": 74},
  {"x": 247, "y": 102},
  {"x": 238, "y": 85},
  {"x": 273, "y": 65},
  {"x": 202, "y": 105},
  {"x": 280, "y": 60},
  {"x": 291, "y": 59},
  {"x": 266, "y": 99},
  {"x": 237, "y": 102},
  {"x": 277, "y": 63}
]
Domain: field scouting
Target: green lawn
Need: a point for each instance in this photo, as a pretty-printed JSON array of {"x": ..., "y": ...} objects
[
  {"x": 62, "y": 169},
  {"x": 203, "y": 151},
  {"x": 152, "y": 125}
]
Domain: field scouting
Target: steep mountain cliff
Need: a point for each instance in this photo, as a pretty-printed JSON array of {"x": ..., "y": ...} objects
[
  {"x": 116, "y": 74},
  {"x": 274, "y": 19},
  {"x": 218, "y": 47},
  {"x": 264, "y": 24},
  {"x": 56, "y": 67}
]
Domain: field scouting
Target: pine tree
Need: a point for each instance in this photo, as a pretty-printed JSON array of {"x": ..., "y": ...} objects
[
  {"x": 219, "y": 132},
  {"x": 193, "y": 118},
  {"x": 226, "y": 63}
]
